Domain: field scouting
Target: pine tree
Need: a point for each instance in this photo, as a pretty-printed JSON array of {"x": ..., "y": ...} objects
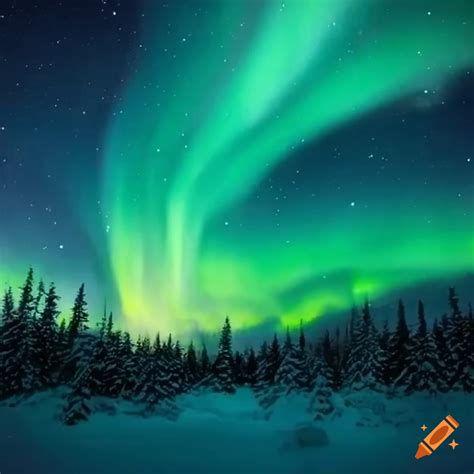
[
  {"x": 78, "y": 336},
  {"x": 274, "y": 359},
  {"x": 442, "y": 352},
  {"x": 399, "y": 347},
  {"x": 80, "y": 316},
  {"x": 40, "y": 294},
  {"x": 113, "y": 374},
  {"x": 28, "y": 371},
  {"x": 422, "y": 373},
  {"x": 156, "y": 349},
  {"x": 365, "y": 363},
  {"x": 191, "y": 364},
  {"x": 458, "y": 342},
  {"x": 205, "y": 363},
  {"x": 321, "y": 397},
  {"x": 8, "y": 307},
  {"x": 61, "y": 351},
  {"x": 239, "y": 368},
  {"x": 128, "y": 362},
  {"x": 77, "y": 407},
  {"x": 291, "y": 375},
  {"x": 47, "y": 339},
  {"x": 10, "y": 382},
  {"x": 262, "y": 377},
  {"x": 223, "y": 365},
  {"x": 251, "y": 367}
]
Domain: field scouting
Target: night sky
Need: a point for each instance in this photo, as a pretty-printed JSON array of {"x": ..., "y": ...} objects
[{"x": 271, "y": 161}]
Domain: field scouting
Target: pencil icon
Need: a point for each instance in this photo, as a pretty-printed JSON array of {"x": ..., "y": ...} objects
[{"x": 436, "y": 437}]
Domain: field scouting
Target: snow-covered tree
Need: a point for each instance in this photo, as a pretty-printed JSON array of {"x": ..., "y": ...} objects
[
  {"x": 251, "y": 367},
  {"x": 321, "y": 404},
  {"x": 223, "y": 365},
  {"x": 80, "y": 316},
  {"x": 365, "y": 363},
  {"x": 84, "y": 354},
  {"x": 47, "y": 339},
  {"x": 459, "y": 342},
  {"x": 422, "y": 373},
  {"x": 398, "y": 347}
]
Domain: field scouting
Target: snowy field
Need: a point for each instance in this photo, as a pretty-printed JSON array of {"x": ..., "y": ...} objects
[{"x": 229, "y": 434}]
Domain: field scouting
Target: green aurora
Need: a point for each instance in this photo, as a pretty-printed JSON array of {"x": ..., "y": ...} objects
[{"x": 202, "y": 124}]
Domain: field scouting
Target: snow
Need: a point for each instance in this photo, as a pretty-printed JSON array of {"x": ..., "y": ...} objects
[{"x": 222, "y": 433}]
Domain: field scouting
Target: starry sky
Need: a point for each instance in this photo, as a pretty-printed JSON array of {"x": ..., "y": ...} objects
[{"x": 274, "y": 161}]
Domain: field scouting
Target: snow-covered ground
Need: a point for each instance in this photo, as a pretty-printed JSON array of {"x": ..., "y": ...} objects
[{"x": 217, "y": 433}]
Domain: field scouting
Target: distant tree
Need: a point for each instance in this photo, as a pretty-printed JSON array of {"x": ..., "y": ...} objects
[
  {"x": 205, "y": 363},
  {"x": 422, "y": 373},
  {"x": 28, "y": 371},
  {"x": 191, "y": 364},
  {"x": 459, "y": 342},
  {"x": 156, "y": 349},
  {"x": 365, "y": 363},
  {"x": 399, "y": 346},
  {"x": 47, "y": 339},
  {"x": 274, "y": 358},
  {"x": 146, "y": 345},
  {"x": 84, "y": 359},
  {"x": 8, "y": 307},
  {"x": 10, "y": 342},
  {"x": 251, "y": 367},
  {"x": 80, "y": 316},
  {"x": 153, "y": 385},
  {"x": 321, "y": 404},
  {"x": 262, "y": 376},
  {"x": 238, "y": 368},
  {"x": 223, "y": 365},
  {"x": 40, "y": 294}
]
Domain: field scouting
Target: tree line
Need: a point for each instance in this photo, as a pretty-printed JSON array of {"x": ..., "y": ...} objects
[{"x": 37, "y": 353}]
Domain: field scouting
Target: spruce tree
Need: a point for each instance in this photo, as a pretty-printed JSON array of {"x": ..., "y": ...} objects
[
  {"x": 77, "y": 407},
  {"x": 191, "y": 364},
  {"x": 10, "y": 382},
  {"x": 80, "y": 316},
  {"x": 399, "y": 347},
  {"x": 251, "y": 367},
  {"x": 321, "y": 404},
  {"x": 223, "y": 365},
  {"x": 28, "y": 370},
  {"x": 239, "y": 368},
  {"x": 156, "y": 349},
  {"x": 262, "y": 376},
  {"x": 274, "y": 359},
  {"x": 459, "y": 343},
  {"x": 79, "y": 339},
  {"x": 47, "y": 339},
  {"x": 365, "y": 363},
  {"x": 204, "y": 363},
  {"x": 443, "y": 356},
  {"x": 423, "y": 365}
]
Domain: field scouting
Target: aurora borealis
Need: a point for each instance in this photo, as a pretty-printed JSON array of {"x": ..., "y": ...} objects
[{"x": 273, "y": 161}]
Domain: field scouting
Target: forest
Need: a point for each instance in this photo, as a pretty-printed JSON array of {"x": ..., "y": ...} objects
[{"x": 39, "y": 353}]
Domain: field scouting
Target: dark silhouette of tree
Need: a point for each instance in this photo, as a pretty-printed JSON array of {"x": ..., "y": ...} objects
[
  {"x": 399, "y": 346},
  {"x": 251, "y": 367},
  {"x": 458, "y": 337},
  {"x": 223, "y": 365},
  {"x": 191, "y": 364},
  {"x": 205, "y": 363},
  {"x": 80, "y": 316},
  {"x": 47, "y": 340},
  {"x": 365, "y": 363},
  {"x": 422, "y": 373}
]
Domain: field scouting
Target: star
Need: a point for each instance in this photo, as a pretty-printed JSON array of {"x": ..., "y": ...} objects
[
  {"x": 424, "y": 427},
  {"x": 453, "y": 444}
]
